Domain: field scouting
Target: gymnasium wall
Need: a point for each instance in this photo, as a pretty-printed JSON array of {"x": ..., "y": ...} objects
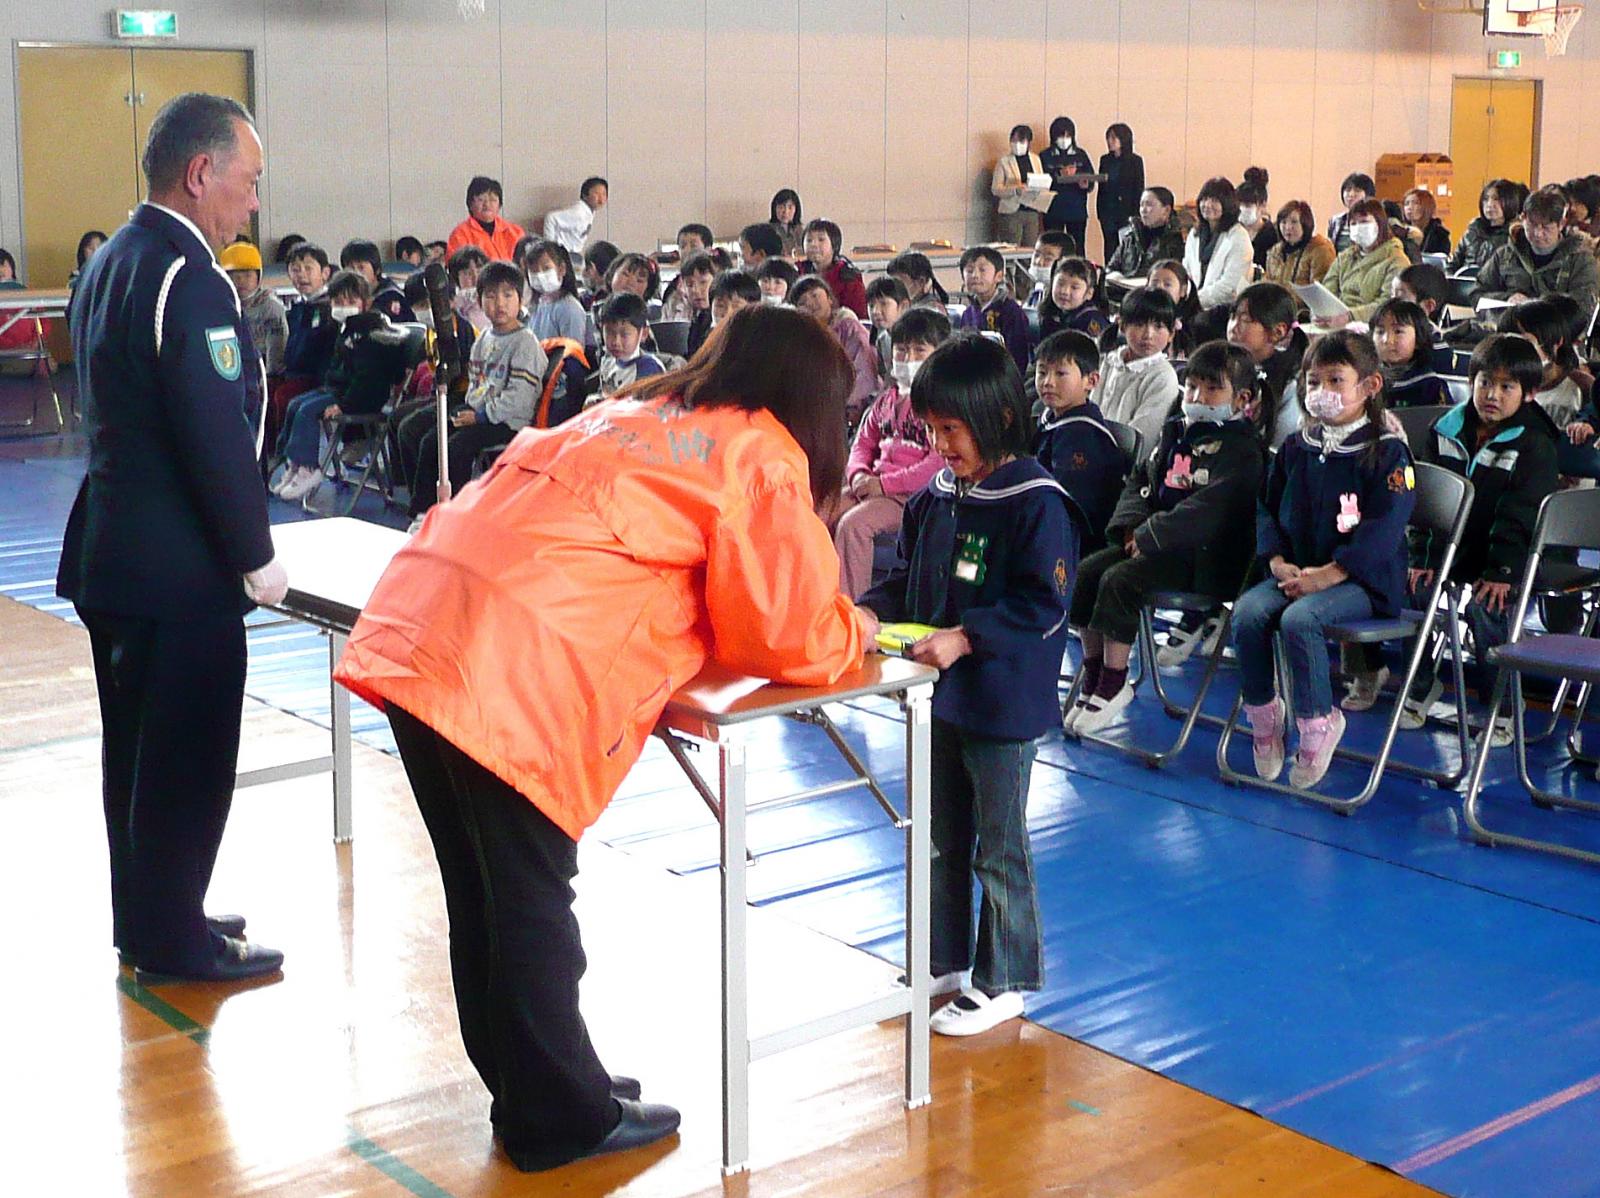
[{"x": 885, "y": 114}]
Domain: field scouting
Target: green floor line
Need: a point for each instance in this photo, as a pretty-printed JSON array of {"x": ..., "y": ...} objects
[
  {"x": 395, "y": 1169},
  {"x": 163, "y": 1010},
  {"x": 1083, "y": 1106}
]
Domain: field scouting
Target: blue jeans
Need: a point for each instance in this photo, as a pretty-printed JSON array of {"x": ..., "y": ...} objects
[
  {"x": 979, "y": 828},
  {"x": 1578, "y": 461},
  {"x": 1264, "y": 610},
  {"x": 302, "y": 428}
]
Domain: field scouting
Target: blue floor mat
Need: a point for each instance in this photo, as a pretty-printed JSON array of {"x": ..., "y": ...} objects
[{"x": 1376, "y": 982}]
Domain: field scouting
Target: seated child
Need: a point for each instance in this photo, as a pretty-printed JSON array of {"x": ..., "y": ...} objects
[
  {"x": 1052, "y": 246},
  {"x": 366, "y": 366},
  {"x": 1169, "y": 276},
  {"x": 262, "y": 310},
  {"x": 507, "y": 372},
  {"x": 776, "y": 277},
  {"x": 362, "y": 256},
  {"x": 815, "y": 298},
  {"x": 731, "y": 291},
  {"x": 1137, "y": 383},
  {"x": 1070, "y": 303},
  {"x": 1176, "y": 526},
  {"x": 1331, "y": 530},
  {"x": 891, "y": 458},
  {"x": 554, "y": 310},
  {"x": 623, "y": 327},
  {"x": 637, "y": 274},
  {"x": 983, "y": 271},
  {"x": 435, "y": 251},
  {"x": 1542, "y": 323},
  {"x": 1507, "y": 446},
  {"x": 1264, "y": 324},
  {"x": 311, "y": 333},
  {"x": 987, "y": 554},
  {"x": 887, "y": 301},
  {"x": 1403, "y": 335},
  {"x": 1073, "y": 442},
  {"x": 915, "y": 273},
  {"x": 463, "y": 267},
  {"x": 1429, "y": 288},
  {"x": 409, "y": 249},
  {"x": 598, "y": 259}
]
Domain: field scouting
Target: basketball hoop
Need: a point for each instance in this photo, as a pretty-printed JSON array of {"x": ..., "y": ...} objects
[
  {"x": 1555, "y": 25},
  {"x": 470, "y": 9}
]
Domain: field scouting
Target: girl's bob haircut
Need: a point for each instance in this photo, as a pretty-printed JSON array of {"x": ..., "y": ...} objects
[{"x": 974, "y": 379}]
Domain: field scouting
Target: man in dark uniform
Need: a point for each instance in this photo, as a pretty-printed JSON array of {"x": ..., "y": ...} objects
[{"x": 168, "y": 544}]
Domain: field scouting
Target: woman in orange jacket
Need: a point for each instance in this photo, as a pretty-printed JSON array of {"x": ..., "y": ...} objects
[{"x": 527, "y": 638}]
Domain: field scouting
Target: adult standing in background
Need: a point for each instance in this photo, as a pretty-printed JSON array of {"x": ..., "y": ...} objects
[
  {"x": 787, "y": 219},
  {"x": 168, "y": 545},
  {"x": 570, "y": 226},
  {"x": 1017, "y": 224},
  {"x": 1069, "y": 211},
  {"x": 484, "y": 226},
  {"x": 1119, "y": 194}
]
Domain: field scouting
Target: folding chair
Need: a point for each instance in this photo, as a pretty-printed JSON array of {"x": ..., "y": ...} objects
[
  {"x": 1571, "y": 519},
  {"x": 1131, "y": 441},
  {"x": 1417, "y": 421},
  {"x": 376, "y": 467},
  {"x": 671, "y": 336},
  {"x": 1444, "y": 500},
  {"x": 36, "y": 356},
  {"x": 1193, "y": 602}
]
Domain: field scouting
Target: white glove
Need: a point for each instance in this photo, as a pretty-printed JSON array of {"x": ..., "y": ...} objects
[{"x": 267, "y": 585}]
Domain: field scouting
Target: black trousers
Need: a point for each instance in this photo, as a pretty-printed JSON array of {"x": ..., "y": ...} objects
[
  {"x": 461, "y": 451},
  {"x": 171, "y": 694},
  {"x": 1111, "y": 588},
  {"x": 409, "y": 431},
  {"x": 515, "y": 952}
]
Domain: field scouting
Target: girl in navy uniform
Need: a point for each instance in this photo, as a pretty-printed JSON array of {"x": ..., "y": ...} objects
[
  {"x": 1403, "y": 335},
  {"x": 1330, "y": 529},
  {"x": 987, "y": 554},
  {"x": 1072, "y": 301}
]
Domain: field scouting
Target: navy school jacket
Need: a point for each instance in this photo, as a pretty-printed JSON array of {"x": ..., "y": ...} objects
[
  {"x": 1081, "y": 451},
  {"x": 171, "y": 512},
  {"x": 1349, "y": 506},
  {"x": 1511, "y": 474},
  {"x": 1417, "y": 387},
  {"x": 998, "y": 560},
  {"x": 312, "y": 335}
]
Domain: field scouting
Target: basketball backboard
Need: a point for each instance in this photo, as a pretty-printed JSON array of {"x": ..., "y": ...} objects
[{"x": 1508, "y": 18}]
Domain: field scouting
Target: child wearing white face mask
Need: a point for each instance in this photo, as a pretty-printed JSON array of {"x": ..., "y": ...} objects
[
  {"x": 1047, "y": 251},
  {"x": 1331, "y": 530},
  {"x": 555, "y": 310},
  {"x": 892, "y": 458}
]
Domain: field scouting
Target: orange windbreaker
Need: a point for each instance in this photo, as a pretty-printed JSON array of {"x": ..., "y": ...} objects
[
  {"x": 540, "y": 621},
  {"x": 500, "y": 246}
]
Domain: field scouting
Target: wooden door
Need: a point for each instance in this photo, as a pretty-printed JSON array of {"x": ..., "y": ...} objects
[
  {"x": 1494, "y": 134},
  {"x": 159, "y": 75}
]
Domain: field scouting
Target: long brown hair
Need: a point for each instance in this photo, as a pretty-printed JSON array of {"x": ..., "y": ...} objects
[{"x": 778, "y": 359}]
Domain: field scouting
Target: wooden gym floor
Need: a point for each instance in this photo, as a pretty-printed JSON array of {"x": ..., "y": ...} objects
[{"x": 347, "y": 1076}]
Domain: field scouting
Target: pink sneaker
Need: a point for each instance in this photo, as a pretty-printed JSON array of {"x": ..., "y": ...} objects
[
  {"x": 1266, "y": 737},
  {"x": 1319, "y": 737}
]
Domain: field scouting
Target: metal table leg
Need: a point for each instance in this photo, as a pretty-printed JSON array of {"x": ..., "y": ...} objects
[
  {"x": 918, "y": 706},
  {"x": 343, "y": 830},
  {"x": 735, "y": 961}
]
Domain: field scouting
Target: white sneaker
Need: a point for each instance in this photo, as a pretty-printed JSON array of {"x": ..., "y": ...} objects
[
  {"x": 1069, "y": 718},
  {"x": 1415, "y": 712},
  {"x": 944, "y": 983},
  {"x": 1361, "y": 692},
  {"x": 1097, "y": 713},
  {"x": 306, "y": 480},
  {"x": 974, "y": 1012},
  {"x": 1319, "y": 737},
  {"x": 1182, "y": 642},
  {"x": 1266, "y": 738}
]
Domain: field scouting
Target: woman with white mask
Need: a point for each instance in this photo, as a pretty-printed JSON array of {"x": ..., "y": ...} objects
[
  {"x": 1255, "y": 218},
  {"x": 1069, "y": 211},
  {"x": 1362, "y": 275},
  {"x": 1016, "y": 223}
]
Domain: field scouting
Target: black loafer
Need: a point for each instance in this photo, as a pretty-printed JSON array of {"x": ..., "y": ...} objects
[
  {"x": 226, "y": 925},
  {"x": 641, "y": 1123},
  {"x": 625, "y": 1087},
  {"x": 235, "y": 961}
]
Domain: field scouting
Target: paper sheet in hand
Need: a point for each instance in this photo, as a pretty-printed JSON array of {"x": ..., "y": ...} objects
[
  {"x": 897, "y": 638},
  {"x": 1038, "y": 181},
  {"x": 1038, "y": 199},
  {"x": 1324, "y": 304},
  {"x": 1490, "y": 304}
]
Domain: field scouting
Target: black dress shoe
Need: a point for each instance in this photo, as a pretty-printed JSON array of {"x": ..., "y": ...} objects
[
  {"x": 226, "y": 925},
  {"x": 641, "y": 1123},
  {"x": 235, "y": 961},
  {"x": 625, "y": 1087}
]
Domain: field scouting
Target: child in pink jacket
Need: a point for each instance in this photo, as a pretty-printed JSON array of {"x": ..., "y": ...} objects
[
  {"x": 892, "y": 458},
  {"x": 816, "y": 299}
]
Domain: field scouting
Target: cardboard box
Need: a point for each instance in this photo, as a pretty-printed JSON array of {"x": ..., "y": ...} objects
[{"x": 1399, "y": 173}]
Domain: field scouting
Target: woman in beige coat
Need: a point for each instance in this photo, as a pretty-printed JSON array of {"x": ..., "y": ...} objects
[
  {"x": 1302, "y": 255},
  {"x": 1016, "y": 224}
]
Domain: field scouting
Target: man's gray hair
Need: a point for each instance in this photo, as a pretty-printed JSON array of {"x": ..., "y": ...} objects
[{"x": 187, "y": 125}]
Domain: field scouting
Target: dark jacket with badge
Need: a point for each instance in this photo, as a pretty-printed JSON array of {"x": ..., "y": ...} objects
[
  {"x": 312, "y": 335},
  {"x": 1080, "y": 449},
  {"x": 1511, "y": 474},
  {"x": 388, "y": 298},
  {"x": 999, "y": 561},
  {"x": 1194, "y": 496},
  {"x": 1349, "y": 505},
  {"x": 171, "y": 513}
]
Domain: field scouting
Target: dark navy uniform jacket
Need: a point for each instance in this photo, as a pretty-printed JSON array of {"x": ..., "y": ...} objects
[
  {"x": 1082, "y": 452},
  {"x": 1000, "y": 561},
  {"x": 172, "y": 511},
  {"x": 1349, "y": 505}
]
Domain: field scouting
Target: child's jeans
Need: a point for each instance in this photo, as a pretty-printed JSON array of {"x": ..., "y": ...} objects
[
  {"x": 302, "y": 426},
  {"x": 1264, "y": 610},
  {"x": 979, "y": 828}
]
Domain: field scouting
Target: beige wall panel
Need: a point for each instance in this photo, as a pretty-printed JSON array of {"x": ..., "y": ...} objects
[
  {"x": 1008, "y": 39},
  {"x": 928, "y": 40},
  {"x": 1346, "y": 41},
  {"x": 841, "y": 169},
  {"x": 657, "y": 154},
  {"x": 1561, "y": 155},
  {"x": 654, "y": 33},
  {"x": 1155, "y": 43},
  {"x": 1286, "y": 42},
  {"x": 751, "y": 149},
  {"x": 1342, "y": 141},
  {"x": 843, "y": 37},
  {"x": 925, "y": 155},
  {"x": 1279, "y": 119},
  {"x": 750, "y": 35},
  {"x": 1400, "y": 108}
]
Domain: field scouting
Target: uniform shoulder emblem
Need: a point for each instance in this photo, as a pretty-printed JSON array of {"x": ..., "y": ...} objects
[
  {"x": 223, "y": 342},
  {"x": 1402, "y": 479},
  {"x": 1062, "y": 580}
]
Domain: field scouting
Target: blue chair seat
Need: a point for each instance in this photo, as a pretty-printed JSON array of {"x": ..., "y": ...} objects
[
  {"x": 1376, "y": 630},
  {"x": 1565, "y": 577},
  {"x": 1183, "y": 601},
  {"x": 1554, "y": 655}
]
